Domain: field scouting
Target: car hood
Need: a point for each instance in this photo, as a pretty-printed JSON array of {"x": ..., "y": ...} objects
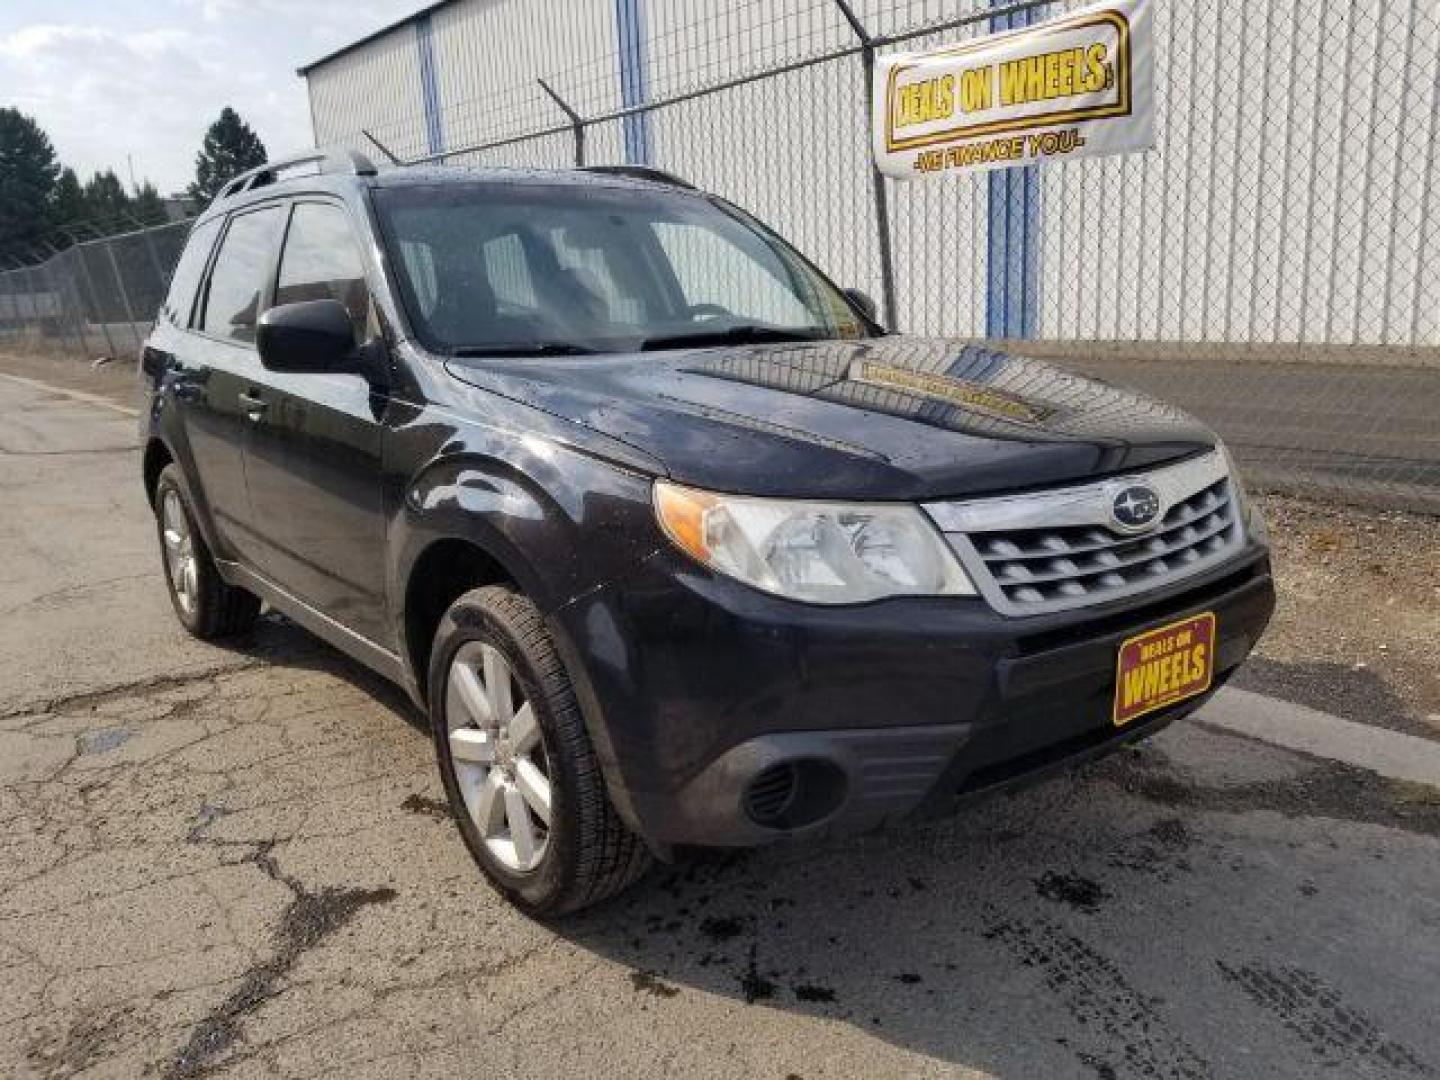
[{"x": 880, "y": 418}]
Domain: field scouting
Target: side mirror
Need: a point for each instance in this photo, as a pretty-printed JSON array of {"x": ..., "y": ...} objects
[
  {"x": 312, "y": 336},
  {"x": 863, "y": 301}
]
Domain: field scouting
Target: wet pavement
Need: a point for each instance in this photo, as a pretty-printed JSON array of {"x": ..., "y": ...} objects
[{"x": 238, "y": 861}]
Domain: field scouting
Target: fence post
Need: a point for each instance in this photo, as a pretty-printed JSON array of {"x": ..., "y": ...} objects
[
  {"x": 21, "y": 277},
  {"x": 34, "y": 294},
  {"x": 70, "y": 313},
  {"x": 880, "y": 193},
  {"x": 145, "y": 231},
  {"x": 94, "y": 301},
  {"x": 124, "y": 298},
  {"x": 5, "y": 277},
  {"x": 13, "y": 286},
  {"x": 381, "y": 147},
  {"x": 11, "y": 277},
  {"x": 62, "y": 324},
  {"x": 577, "y": 122},
  {"x": 41, "y": 266}
]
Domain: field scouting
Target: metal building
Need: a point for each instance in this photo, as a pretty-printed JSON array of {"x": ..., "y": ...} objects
[
  {"x": 460, "y": 72},
  {"x": 1291, "y": 201}
]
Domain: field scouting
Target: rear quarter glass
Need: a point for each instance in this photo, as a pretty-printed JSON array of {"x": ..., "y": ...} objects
[{"x": 180, "y": 297}]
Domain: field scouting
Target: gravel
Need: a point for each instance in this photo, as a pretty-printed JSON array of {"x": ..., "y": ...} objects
[{"x": 1355, "y": 632}]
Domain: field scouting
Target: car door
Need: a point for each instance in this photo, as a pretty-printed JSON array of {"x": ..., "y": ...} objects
[
  {"x": 214, "y": 365},
  {"x": 313, "y": 447}
]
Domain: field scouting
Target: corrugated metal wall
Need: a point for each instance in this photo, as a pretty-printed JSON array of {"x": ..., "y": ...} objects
[
  {"x": 490, "y": 53},
  {"x": 376, "y": 88},
  {"x": 1291, "y": 199},
  {"x": 487, "y": 55},
  {"x": 1288, "y": 198}
]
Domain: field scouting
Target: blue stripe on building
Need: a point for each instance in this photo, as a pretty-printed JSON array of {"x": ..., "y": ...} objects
[
  {"x": 634, "y": 78},
  {"x": 1012, "y": 284},
  {"x": 429, "y": 83}
]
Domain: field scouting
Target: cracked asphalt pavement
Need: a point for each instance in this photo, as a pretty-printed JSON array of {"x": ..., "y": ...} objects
[{"x": 237, "y": 862}]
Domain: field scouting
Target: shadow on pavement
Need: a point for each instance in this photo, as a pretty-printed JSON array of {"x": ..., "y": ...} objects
[
  {"x": 1198, "y": 906},
  {"x": 277, "y": 640},
  {"x": 1104, "y": 924}
]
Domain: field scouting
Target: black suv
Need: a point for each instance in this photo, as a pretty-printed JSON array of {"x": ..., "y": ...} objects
[{"x": 674, "y": 543}]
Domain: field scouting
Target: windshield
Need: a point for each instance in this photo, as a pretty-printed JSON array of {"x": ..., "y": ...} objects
[{"x": 541, "y": 269}]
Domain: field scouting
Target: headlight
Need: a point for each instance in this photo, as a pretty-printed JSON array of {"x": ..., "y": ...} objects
[
  {"x": 1250, "y": 514},
  {"x": 818, "y": 552}
]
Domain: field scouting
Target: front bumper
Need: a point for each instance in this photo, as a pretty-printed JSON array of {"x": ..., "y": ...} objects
[{"x": 699, "y": 692}]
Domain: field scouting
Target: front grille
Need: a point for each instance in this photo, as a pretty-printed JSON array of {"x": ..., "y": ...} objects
[
  {"x": 1060, "y": 550},
  {"x": 1041, "y": 566}
]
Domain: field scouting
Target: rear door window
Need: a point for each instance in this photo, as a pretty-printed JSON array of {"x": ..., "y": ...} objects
[
  {"x": 180, "y": 299},
  {"x": 322, "y": 262},
  {"x": 232, "y": 302}
]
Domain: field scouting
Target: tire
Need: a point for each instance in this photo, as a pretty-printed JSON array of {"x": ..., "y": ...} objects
[
  {"x": 585, "y": 853},
  {"x": 205, "y": 605}
]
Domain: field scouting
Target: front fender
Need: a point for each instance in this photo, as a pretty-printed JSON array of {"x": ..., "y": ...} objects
[{"x": 561, "y": 523}]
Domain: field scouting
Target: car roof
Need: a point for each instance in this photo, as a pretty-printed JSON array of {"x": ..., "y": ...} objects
[
  {"x": 451, "y": 174},
  {"x": 343, "y": 182}
]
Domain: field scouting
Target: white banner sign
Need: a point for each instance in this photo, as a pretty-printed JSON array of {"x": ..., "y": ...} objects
[{"x": 1077, "y": 86}]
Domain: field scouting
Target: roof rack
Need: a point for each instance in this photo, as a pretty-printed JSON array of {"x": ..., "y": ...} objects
[
  {"x": 641, "y": 172},
  {"x": 347, "y": 161}
]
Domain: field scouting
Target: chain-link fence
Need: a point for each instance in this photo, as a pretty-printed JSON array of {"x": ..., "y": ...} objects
[
  {"x": 95, "y": 298},
  {"x": 1273, "y": 265}
]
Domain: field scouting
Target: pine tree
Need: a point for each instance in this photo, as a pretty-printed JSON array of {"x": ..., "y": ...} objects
[
  {"x": 230, "y": 148},
  {"x": 28, "y": 172},
  {"x": 147, "y": 207},
  {"x": 67, "y": 201},
  {"x": 106, "y": 202}
]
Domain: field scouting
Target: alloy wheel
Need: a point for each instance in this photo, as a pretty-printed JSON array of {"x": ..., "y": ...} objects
[
  {"x": 180, "y": 559},
  {"x": 498, "y": 753}
]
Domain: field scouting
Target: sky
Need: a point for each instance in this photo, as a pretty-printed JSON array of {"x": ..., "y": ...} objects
[{"x": 145, "y": 78}]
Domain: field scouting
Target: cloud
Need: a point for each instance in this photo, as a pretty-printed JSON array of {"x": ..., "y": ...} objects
[
  {"x": 63, "y": 45},
  {"x": 145, "y": 78},
  {"x": 106, "y": 96},
  {"x": 336, "y": 14}
]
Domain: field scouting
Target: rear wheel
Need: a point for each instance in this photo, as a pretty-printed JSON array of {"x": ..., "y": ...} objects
[
  {"x": 517, "y": 763},
  {"x": 204, "y": 603}
]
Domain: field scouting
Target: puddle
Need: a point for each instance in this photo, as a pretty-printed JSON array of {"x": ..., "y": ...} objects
[{"x": 105, "y": 740}]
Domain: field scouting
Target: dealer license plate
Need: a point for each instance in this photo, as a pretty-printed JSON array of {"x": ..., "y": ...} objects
[{"x": 1163, "y": 666}]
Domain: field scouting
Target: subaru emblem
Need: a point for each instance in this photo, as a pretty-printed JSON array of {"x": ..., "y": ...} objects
[{"x": 1135, "y": 507}]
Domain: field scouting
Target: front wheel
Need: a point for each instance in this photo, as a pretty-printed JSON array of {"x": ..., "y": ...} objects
[{"x": 517, "y": 764}]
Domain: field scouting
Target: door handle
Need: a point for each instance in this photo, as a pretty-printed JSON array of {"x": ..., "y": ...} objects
[{"x": 253, "y": 404}]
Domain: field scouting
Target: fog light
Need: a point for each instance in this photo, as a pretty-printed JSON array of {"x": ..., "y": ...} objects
[
  {"x": 771, "y": 793},
  {"x": 793, "y": 794}
]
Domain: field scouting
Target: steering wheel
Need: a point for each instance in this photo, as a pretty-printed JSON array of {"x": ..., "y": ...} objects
[{"x": 707, "y": 312}]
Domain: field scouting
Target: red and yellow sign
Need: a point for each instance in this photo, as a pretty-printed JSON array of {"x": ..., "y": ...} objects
[{"x": 1164, "y": 666}]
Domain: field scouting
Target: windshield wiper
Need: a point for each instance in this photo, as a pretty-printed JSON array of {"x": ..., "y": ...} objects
[
  {"x": 525, "y": 348},
  {"x": 743, "y": 333}
]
